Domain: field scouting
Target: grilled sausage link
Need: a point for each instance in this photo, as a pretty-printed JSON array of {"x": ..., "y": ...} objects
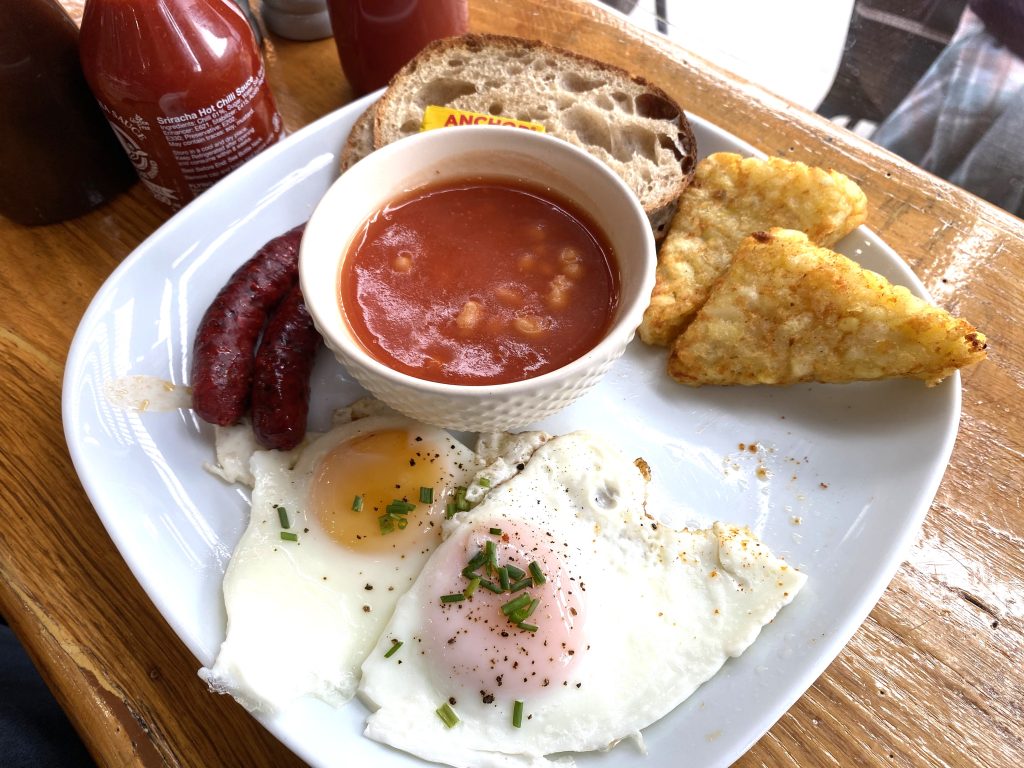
[
  {"x": 224, "y": 353},
  {"x": 284, "y": 363}
]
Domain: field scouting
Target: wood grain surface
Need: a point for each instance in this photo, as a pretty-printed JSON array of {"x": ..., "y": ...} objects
[{"x": 933, "y": 677}]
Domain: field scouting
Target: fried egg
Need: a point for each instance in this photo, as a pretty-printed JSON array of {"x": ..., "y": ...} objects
[
  {"x": 602, "y": 621},
  {"x": 323, "y": 561}
]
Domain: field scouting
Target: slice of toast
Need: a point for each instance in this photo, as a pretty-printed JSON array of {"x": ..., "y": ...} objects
[
  {"x": 630, "y": 124},
  {"x": 360, "y": 139},
  {"x": 787, "y": 311},
  {"x": 730, "y": 197}
]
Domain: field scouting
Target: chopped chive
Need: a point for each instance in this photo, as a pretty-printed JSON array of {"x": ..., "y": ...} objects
[
  {"x": 456, "y": 597},
  {"x": 533, "y": 607},
  {"x": 357, "y": 504},
  {"x": 395, "y": 645},
  {"x": 460, "y": 499},
  {"x": 477, "y": 560},
  {"x": 471, "y": 587},
  {"x": 527, "y": 627},
  {"x": 491, "y": 556},
  {"x": 490, "y": 586},
  {"x": 521, "y": 584},
  {"x": 517, "y": 715},
  {"x": 484, "y": 482},
  {"x": 503, "y": 578},
  {"x": 282, "y": 515},
  {"x": 514, "y": 573},
  {"x": 395, "y": 517},
  {"x": 399, "y": 507},
  {"x": 516, "y": 603},
  {"x": 538, "y": 577},
  {"x": 426, "y": 495},
  {"x": 447, "y": 715},
  {"x": 469, "y": 573},
  {"x": 289, "y": 536},
  {"x": 525, "y": 612},
  {"x": 449, "y": 510},
  {"x": 495, "y": 531}
]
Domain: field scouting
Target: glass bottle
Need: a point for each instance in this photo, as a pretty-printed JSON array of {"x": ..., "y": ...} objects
[
  {"x": 376, "y": 38},
  {"x": 182, "y": 84},
  {"x": 58, "y": 158}
]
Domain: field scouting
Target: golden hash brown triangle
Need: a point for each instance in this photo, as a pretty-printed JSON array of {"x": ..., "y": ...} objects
[
  {"x": 788, "y": 311},
  {"x": 730, "y": 197}
]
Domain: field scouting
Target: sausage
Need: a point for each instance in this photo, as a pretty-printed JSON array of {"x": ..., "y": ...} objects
[
  {"x": 284, "y": 362},
  {"x": 224, "y": 352}
]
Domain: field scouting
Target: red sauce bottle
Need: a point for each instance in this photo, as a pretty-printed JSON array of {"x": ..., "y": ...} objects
[
  {"x": 182, "y": 84},
  {"x": 58, "y": 158},
  {"x": 376, "y": 38}
]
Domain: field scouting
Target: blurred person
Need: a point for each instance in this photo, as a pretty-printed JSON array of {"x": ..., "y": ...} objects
[
  {"x": 889, "y": 46},
  {"x": 34, "y": 731},
  {"x": 964, "y": 119}
]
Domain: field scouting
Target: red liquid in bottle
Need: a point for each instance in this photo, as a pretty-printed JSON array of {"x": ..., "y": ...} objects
[
  {"x": 376, "y": 38},
  {"x": 182, "y": 84}
]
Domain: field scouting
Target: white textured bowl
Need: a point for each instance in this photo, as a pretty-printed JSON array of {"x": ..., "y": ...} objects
[{"x": 455, "y": 153}]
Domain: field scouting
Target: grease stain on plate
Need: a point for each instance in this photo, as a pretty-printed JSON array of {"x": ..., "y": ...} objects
[{"x": 147, "y": 393}]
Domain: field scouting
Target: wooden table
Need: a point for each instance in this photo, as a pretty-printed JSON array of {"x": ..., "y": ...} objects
[{"x": 933, "y": 677}]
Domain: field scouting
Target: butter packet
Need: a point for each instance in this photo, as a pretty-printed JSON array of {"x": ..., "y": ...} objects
[{"x": 444, "y": 117}]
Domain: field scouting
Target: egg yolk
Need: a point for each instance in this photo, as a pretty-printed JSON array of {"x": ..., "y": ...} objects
[
  {"x": 474, "y": 646},
  {"x": 355, "y": 482}
]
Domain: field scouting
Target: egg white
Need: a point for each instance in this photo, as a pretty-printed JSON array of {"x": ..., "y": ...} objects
[
  {"x": 302, "y": 615},
  {"x": 660, "y": 612}
]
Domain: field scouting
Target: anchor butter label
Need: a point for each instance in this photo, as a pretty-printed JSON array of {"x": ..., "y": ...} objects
[{"x": 443, "y": 117}]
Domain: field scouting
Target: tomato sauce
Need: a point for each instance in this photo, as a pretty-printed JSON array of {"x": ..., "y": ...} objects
[{"x": 479, "y": 281}]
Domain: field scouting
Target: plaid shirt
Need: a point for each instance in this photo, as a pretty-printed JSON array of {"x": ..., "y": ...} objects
[{"x": 964, "y": 120}]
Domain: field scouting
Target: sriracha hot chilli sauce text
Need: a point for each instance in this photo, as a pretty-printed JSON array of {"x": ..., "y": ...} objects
[{"x": 183, "y": 86}]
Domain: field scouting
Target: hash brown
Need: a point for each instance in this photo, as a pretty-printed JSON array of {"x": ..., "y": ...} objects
[
  {"x": 787, "y": 311},
  {"x": 730, "y": 197}
]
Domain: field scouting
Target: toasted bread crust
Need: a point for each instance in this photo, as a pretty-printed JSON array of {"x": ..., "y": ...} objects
[
  {"x": 787, "y": 311},
  {"x": 360, "y": 139},
  {"x": 576, "y": 98}
]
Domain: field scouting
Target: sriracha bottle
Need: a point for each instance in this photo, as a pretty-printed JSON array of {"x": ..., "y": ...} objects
[{"x": 182, "y": 84}]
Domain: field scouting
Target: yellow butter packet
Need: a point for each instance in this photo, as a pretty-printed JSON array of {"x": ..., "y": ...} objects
[{"x": 444, "y": 117}]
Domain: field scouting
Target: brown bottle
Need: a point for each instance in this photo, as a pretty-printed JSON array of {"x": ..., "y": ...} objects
[
  {"x": 58, "y": 158},
  {"x": 183, "y": 85}
]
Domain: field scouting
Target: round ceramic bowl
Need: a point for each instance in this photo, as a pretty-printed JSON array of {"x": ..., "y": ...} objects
[{"x": 457, "y": 153}]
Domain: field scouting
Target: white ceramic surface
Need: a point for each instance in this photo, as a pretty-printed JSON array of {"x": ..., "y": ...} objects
[
  {"x": 440, "y": 156},
  {"x": 850, "y": 471}
]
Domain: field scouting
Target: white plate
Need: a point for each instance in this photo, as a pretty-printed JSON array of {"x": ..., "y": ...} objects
[{"x": 841, "y": 482}]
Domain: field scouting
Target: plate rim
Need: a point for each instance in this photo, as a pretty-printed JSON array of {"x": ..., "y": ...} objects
[{"x": 829, "y": 650}]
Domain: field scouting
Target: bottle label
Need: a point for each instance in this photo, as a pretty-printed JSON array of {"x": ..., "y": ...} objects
[
  {"x": 179, "y": 156},
  {"x": 214, "y": 139},
  {"x": 133, "y": 133}
]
